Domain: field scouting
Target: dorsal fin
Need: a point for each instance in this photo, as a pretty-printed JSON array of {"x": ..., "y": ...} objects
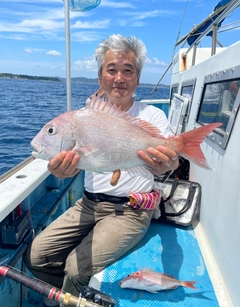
[
  {"x": 147, "y": 270},
  {"x": 103, "y": 104},
  {"x": 152, "y": 271}
]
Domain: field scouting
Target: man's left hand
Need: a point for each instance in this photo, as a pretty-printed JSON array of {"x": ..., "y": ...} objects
[{"x": 160, "y": 159}]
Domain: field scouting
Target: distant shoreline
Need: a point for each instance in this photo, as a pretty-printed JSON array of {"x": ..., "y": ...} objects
[
  {"x": 59, "y": 79},
  {"x": 27, "y": 77}
]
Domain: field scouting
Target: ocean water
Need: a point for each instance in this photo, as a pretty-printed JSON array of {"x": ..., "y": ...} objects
[{"x": 27, "y": 105}]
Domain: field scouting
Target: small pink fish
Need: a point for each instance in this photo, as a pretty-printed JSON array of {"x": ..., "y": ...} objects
[
  {"x": 153, "y": 281},
  {"x": 108, "y": 139}
]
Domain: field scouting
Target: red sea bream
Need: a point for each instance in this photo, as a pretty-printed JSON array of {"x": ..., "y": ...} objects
[
  {"x": 153, "y": 281},
  {"x": 108, "y": 139}
]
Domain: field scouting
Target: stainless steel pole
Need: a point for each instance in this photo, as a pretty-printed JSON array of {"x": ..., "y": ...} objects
[{"x": 68, "y": 57}]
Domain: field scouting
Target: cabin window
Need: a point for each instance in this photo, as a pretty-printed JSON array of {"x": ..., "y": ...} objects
[
  {"x": 187, "y": 91},
  {"x": 219, "y": 104},
  {"x": 174, "y": 90}
]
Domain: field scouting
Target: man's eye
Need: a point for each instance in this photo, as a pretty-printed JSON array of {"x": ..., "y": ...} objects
[{"x": 128, "y": 72}]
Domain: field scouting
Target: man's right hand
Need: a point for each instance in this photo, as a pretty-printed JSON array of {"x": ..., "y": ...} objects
[{"x": 64, "y": 165}]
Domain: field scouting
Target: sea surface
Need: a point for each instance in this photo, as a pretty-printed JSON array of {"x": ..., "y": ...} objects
[{"x": 27, "y": 105}]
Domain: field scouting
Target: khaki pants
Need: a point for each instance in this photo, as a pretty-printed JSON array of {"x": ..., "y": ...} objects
[{"x": 83, "y": 241}]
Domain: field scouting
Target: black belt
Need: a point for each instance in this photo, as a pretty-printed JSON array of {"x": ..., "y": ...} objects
[{"x": 101, "y": 197}]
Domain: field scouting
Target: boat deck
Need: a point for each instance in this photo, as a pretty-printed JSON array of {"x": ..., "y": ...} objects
[
  {"x": 166, "y": 248},
  {"x": 174, "y": 251}
]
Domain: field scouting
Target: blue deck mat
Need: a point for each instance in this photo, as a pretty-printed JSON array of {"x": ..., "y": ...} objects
[{"x": 169, "y": 249}]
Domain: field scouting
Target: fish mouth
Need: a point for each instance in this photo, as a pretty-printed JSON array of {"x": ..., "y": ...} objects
[{"x": 39, "y": 149}]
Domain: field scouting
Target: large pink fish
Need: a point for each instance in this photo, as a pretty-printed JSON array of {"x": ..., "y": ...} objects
[
  {"x": 107, "y": 139},
  {"x": 152, "y": 281}
]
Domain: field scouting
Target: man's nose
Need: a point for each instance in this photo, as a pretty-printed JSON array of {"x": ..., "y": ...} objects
[{"x": 119, "y": 77}]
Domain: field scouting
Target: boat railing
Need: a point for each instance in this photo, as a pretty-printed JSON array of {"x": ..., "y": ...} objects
[
  {"x": 221, "y": 13},
  {"x": 16, "y": 168},
  {"x": 224, "y": 11},
  {"x": 42, "y": 217}
]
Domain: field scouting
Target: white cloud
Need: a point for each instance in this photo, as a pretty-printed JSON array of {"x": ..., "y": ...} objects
[
  {"x": 138, "y": 24},
  {"x": 85, "y": 36},
  {"x": 53, "y": 53},
  {"x": 151, "y": 14},
  {"x": 43, "y": 24},
  {"x": 88, "y": 64},
  {"x": 32, "y": 50},
  {"x": 19, "y": 37},
  {"x": 91, "y": 25},
  {"x": 116, "y": 4},
  {"x": 154, "y": 62},
  {"x": 157, "y": 62},
  {"x": 28, "y": 51}
]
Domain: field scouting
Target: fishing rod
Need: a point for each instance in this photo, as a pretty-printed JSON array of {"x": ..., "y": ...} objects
[{"x": 89, "y": 297}]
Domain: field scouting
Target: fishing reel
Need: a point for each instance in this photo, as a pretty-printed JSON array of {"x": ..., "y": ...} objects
[{"x": 97, "y": 297}]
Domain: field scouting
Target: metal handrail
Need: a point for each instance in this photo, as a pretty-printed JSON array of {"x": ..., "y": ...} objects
[
  {"x": 210, "y": 17},
  {"x": 230, "y": 7}
]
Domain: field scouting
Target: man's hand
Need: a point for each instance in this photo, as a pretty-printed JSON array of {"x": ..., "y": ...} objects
[
  {"x": 64, "y": 165},
  {"x": 160, "y": 159}
]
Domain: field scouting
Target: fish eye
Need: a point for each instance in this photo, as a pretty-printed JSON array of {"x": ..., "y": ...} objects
[{"x": 51, "y": 130}]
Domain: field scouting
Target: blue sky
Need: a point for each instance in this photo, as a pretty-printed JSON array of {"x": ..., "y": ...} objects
[{"x": 32, "y": 36}]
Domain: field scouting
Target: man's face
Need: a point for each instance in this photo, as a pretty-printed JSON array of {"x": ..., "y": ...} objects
[{"x": 119, "y": 77}]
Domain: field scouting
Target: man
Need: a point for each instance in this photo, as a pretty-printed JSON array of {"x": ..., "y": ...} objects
[{"x": 102, "y": 227}]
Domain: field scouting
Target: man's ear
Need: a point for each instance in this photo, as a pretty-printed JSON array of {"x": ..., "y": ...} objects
[
  {"x": 99, "y": 78},
  {"x": 138, "y": 80}
]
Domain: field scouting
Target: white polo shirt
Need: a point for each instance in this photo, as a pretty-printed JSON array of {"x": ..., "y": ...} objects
[{"x": 100, "y": 182}]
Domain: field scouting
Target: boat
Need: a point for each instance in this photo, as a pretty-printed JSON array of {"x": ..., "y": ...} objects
[{"x": 206, "y": 250}]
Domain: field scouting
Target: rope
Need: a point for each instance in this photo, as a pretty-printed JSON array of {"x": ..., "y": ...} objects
[{"x": 180, "y": 28}]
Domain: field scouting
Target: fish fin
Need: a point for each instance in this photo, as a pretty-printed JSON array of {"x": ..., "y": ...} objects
[
  {"x": 158, "y": 273},
  {"x": 155, "y": 292},
  {"x": 150, "y": 286},
  {"x": 189, "y": 284},
  {"x": 171, "y": 288},
  {"x": 148, "y": 270},
  {"x": 115, "y": 177},
  {"x": 84, "y": 150},
  {"x": 188, "y": 144},
  {"x": 105, "y": 105}
]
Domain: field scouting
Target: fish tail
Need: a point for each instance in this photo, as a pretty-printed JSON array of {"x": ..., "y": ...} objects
[
  {"x": 188, "y": 144},
  {"x": 189, "y": 284}
]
